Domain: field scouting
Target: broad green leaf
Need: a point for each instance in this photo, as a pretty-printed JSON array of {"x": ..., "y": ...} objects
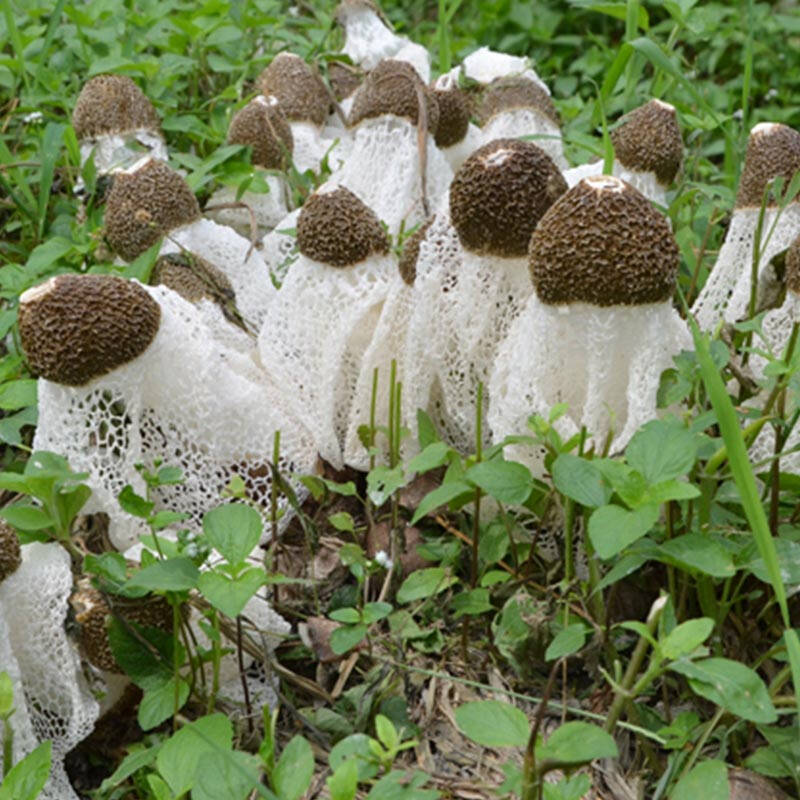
[
  {"x": 356, "y": 748},
  {"x": 27, "y": 778},
  {"x": 234, "y": 530},
  {"x": 171, "y": 575},
  {"x": 348, "y": 615},
  {"x": 6, "y": 694},
  {"x": 158, "y": 703},
  {"x": 342, "y": 521},
  {"x": 18, "y": 394},
  {"x": 383, "y": 482},
  {"x": 566, "y": 642},
  {"x": 788, "y": 553},
  {"x": 493, "y": 723},
  {"x": 612, "y": 528},
  {"x": 344, "y": 781},
  {"x": 27, "y": 518},
  {"x": 577, "y": 743},
  {"x": 372, "y": 612},
  {"x": 731, "y": 685},
  {"x": 506, "y": 481},
  {"x": 424, "y": 583},
  {"x": 580, "y": 480},
  {"x": 227, "y": 775},
  {"x": 471, "y": 603},
  {"x": 230, "y": 595},
  {"x": 662, "y": 450},
  {"x": 448, "y": 491},
  {"x": 347, "y": 637},
  {"x": 686, "y": 638},
  {"x": 134, "y": 503},
  {"x": 696, "y": 551},
  {"x": 294, "y": 769},
  {"x": 133, "y": 762},
  {"x": 433, "y": 456},
  {"x": 708, "y": 780}
]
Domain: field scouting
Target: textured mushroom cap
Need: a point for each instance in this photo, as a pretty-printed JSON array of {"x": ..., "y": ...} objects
[
  {"x": 453, "y": 116},
  {"x": 262, "y": 125},
  {"x": 773, "y": 150},
  {"x": 408, "y": 258},
  {"x": 793, "y": 266},
  {"x": 10, "y": 553},
  {"x": 649, "y": 140},
  {"x": 603, "y": 243},
  {"x": 77, "y": 327},
  {"x": 336, "y": 228},
  {"x": 93, "y": 614},
  {"x": 300, "y": 91},
  {"x": 192, "y": 277},
  {"x": 145, "y": 204},
  {"x": 500, "y": 193},
  {"x": 516, "y": 91},
  {"x": 392, "y": 88},
  {"x": 112, "y": 104},
  {"x": 344, "y": 78}
]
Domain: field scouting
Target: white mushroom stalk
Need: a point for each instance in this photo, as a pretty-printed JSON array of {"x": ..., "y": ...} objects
[
  {"x": 600, "y": 327},
  {"x": 130, "y": 375},
  {"x": 152, "y": 202},
  {"x": 384, "y": 167},
  {"x": 323, "y": 318},
  {"x": 116, "y": 123},
  {"x": 52, "y": 699},
  {"x": 773, "y": 151},
  {"x": 648, "y": 152},
  {"x": 261, "y": 125},
  {"x": 472, "y": 280},
  {"x": 368, "y": 39},
  {"x": 304, "y": 99}
]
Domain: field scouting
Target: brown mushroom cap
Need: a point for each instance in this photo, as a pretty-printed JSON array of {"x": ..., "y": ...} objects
[
  {"x": 192, "y": 277},
  {"x": 604, "y": 244},
  {"x": 408, "y": 258},
  {"x": 93, "y": 614},
  {"x": 10, "y": 553},
  {"x": 500, "y": 193},
  {"x": 145, "y": 204},
  {"x": 344, "y": 78},
  {"x": 393, "y": 88},
  {"x": 793, "y": 266},
  {"x": 512, "y": 92},
  {"x": 300, "y": 91},
  {"x": 261, "y": 124},
  {"x": 112, "y": 104},
  {"x": 773, "y": 150},
  {"x": 337, "y": 229},
  {"x": 649, "y": 140},
  {"x": 453, "y": 116},
  {"x": 75, "y": 328}
]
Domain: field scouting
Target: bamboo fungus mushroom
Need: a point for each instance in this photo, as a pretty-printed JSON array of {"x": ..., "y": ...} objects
[
  {"x": 600, "y": 327},
  {"x": 114, "y": 120},
  {"x": 773, "y": 151},
  {"x": 130, "y": 375},
  {"x": 648, "y": 151}
]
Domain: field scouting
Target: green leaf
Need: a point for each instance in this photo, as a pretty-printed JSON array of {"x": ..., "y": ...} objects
[
  {"x": 686, "y": 638},
  {"x": 134, "y": 504},
  {"x": 433, "y": 456},
  {"x": 708, "y": 780},
  {"x": 234, "y": 530},
  {"x": 230, "y": 595},
  {"x": 448, "y": 491},
  {"x": 580, "y": 480},
  {"x": 386, "y": 732},
  {"x": 179, "y": 756},
  {"x": 566, "y": 642},
  {"x": 424, "y": 583},
  {"x": 506, "y": 481},
  {"x": 6, "y": 694},
  {"x": 158, "y": 703},
  {"x": 347, "y": 637},
  {"x": 348, "y": 615},
  {"x": 471, "y": 603},
  {"x": 133, "y": 762},
  {"x": 227, "y": 775},
  {"x": 731, "y": 685},
  {"x": 18, "y": 394},
  {"x": 355, "y": 747},
  {"x": 343, "y": 783},
  {"x": 27, "y": 518},
  {"x": 342, "y": 521},
  {"x": 613, "y": 528},
  {"x": 171, "y": 575},
  {"x": 372, "y": 612},
  {"x": 294, "y": 769},
  {"x": 662, "y": 450},
  {"x": 577, "y": 743},
  {"x": 493, "y": 723},
  {"x": 27, "y": 778},
  {"x": 696, "y": 551},
  {"x": 383, "y": 482}
]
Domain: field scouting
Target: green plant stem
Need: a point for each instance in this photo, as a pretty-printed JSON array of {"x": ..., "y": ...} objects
[
  {"x": 248, "y": 708},
  {"x": 476, "y": 518},
  {"x": 8, "y": 744},
  {"x": 176, "y": 662},
  {"x": 627, "y": 690},
  {"x": 701, "y": 742}
]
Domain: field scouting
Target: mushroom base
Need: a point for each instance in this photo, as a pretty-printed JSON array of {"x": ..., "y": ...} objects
[{"x": 268, "y": 208}]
